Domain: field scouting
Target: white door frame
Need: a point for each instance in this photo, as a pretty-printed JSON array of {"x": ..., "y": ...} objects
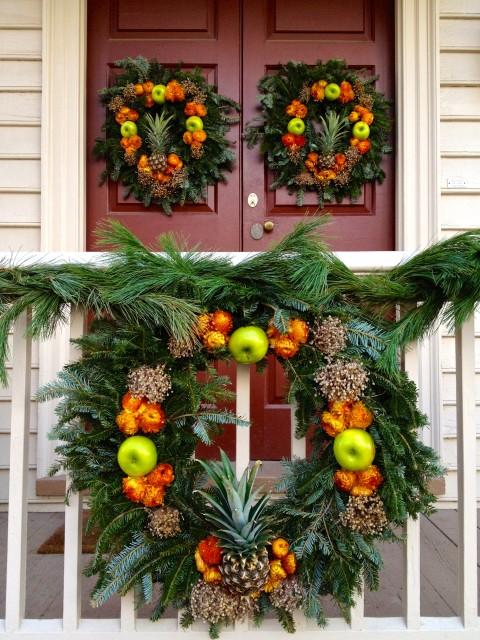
[{"x": 63, "y": 160}]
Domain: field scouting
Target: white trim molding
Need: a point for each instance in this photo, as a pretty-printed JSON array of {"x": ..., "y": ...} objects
[
  {"x": 417, "y": 168},
  {"x": 63, "y": 159}
]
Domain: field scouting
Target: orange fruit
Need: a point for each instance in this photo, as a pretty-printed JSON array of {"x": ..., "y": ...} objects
[
  {"x": 201, "y": 110},
  {"x": 187, "y": 137},
  {"x": 173, "y": 159},
  {"x": 148, "y": 86},
  {"x": 139, "y": 90},
  {"x": 199, "y": 136}
]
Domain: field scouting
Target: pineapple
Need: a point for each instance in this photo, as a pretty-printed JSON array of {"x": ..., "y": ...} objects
[
  {"x": 241, "y": 525},
  {"x": 332, "y": 137},
  {"x": 158, "y": 135}
]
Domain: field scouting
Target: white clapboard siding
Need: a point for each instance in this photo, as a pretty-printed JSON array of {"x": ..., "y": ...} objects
[
  {"x": 468, "y": 167},
  {"x": 459, "y": 144},
  {"x": 449, "y": 451},
  {"x": 5, "y": 450},
  {"x": 20, "y": 116},
  {"x": 19, "y": 108},
  {"x": 456, "y": 32},
  {"x": 19, "y": 172},
  {"x": 21, "y": 13},
  {"x": 459, "y": 136},
  {"x": 19, "y": 139},
  {"x": 21, "y": 74},
  {"x": 21, "y": 44},
  {"x": 459, "y": 6},
  {"x": 459, "y": 101},
  {"x": 452, "y": 61}
]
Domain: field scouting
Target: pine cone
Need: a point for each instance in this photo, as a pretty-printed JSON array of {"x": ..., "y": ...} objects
[
  {"x": 212, "y": 603},
  {"x": 164, "y": 522},
  {"x": 342, "y": 380},
  {"x": 329, "y": 335},
  {"x": 288, "y": 596},
  {"x": 365, "y": 515},
  {"x": 152, "y": 383}
]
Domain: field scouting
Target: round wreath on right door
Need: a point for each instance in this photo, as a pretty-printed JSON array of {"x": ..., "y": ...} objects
[{"x": 323, "y": 128}]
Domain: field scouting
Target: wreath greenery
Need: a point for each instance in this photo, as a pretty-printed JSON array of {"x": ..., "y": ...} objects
[
  {"x": 165, "y": 133},
  {"x": 323, "y": 128},
  {"x": 164, "y": 318}
]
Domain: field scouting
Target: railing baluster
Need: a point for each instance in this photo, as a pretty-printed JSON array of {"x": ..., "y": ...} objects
[
  {"x": 411, "y": 551},
  {"x": 298, "y": 446},
  {"x": 128, "y": 614},
  {"x": 242, "y": 444},
  {"x": 73, "y": 520},
  {"x": 18, "y": 477},
  {"x": 242, "y": 453},
  {"x": 357, "y": 612},
  {"x": 466, "y": 465}
]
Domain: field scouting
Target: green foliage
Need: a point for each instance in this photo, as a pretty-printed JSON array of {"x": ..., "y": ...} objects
[
  {"x": 326, "y": 129},
  {"x": 210, "y": 168},
  {"x": 139, "y": 300}
]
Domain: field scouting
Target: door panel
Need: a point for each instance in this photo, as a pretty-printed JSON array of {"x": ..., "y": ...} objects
[
  {"x": 275, "y": 31},
  {"x": 196, "y": 32}
]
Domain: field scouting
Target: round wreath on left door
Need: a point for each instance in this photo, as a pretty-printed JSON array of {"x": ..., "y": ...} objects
[{"x": 165, "y": 133}]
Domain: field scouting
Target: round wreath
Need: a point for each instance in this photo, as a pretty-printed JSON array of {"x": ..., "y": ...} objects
[
  {"x": 323, "y": 128},
  {"x": 164, "y": 133},
  {"x": 219, "y": 550}
]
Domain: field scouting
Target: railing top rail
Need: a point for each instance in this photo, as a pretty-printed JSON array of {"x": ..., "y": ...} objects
[{"x": 357, "y": 261}]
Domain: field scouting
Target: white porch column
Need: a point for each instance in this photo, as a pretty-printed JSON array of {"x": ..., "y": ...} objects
[{"x": 64, "y": 31}]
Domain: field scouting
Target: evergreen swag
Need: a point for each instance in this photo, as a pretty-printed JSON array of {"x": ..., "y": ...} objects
[
  {"x": 326, "y": 157},
  {"x": 158, "y": 160},
  {"x": 145, "y": 306}
]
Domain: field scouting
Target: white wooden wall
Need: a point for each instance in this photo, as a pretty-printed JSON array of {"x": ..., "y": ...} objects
[
  {"x": 459, "y": 31},
  {"x": 20, "y": 100}
]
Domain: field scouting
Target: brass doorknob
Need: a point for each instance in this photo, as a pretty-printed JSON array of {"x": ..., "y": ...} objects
[{"x": 268, "y": 226}]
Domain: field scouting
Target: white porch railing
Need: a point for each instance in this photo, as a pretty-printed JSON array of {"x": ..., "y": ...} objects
[{"x": 411, "y": 625}]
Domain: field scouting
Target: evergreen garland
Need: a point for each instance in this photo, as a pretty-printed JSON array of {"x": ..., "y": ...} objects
[
  {"x": 141, "y": 301},
  {"x": 327, "y": 157},
  {"x": 169, "y": 165}
]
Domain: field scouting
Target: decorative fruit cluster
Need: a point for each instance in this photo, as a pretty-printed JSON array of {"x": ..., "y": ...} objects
[
  {"x": 148, "y": 489},
  {"x": 329, "y": 146},
  {"x": 358, "y": 483},
  {"x": 286, "y": 345},
  {"x": 283, "y": 564},
  {"x": 138, "y": 414},
  {"x": 214, "y": 329},
  {"x": 170, "y": 108},
  {"x": 208, "y": 555}
]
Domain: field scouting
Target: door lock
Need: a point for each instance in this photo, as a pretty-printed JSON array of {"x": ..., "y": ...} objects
[{"x": 252, "y": 200}]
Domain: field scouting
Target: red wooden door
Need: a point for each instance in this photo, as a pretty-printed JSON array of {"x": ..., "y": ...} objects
[
  {"x": 276, "y": 31},
  {"x": 236, "y": 43},
  {"x": 195, "y": 32}
]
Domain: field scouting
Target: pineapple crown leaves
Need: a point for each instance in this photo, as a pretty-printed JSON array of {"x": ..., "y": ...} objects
[
  {"x": 236, "y": 508},
  {"x": 334, "y": 129},
  {"x": 158, "y": 131}
]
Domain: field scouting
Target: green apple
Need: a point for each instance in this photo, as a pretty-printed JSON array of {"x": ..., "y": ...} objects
[
  {"x": 296, "y": 126},
  {"x": 332, "y": 91},
  {"x": 194, "y": 123},
  {"x": 354, "y": 449},
  {"x": 361, "y": 130},
  {"x": 248, "y": 344},
  {"x": 158, "y": 93},
  {"x": 128, "y": 129},
  {"x": 137, "y": 456}
]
